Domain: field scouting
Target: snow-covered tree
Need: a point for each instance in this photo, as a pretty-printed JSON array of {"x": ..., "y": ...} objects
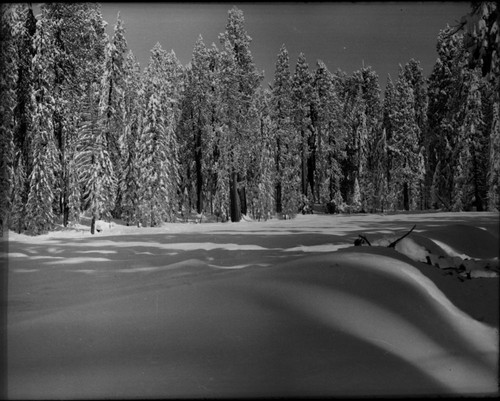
[
  {"x": 158, "y": 146},
  {"x": 287, "y": 141},
  {"x": 301, "y": 101},
  {"x": 406, "y": 168},
  {"x": 239, "y": 80},
  {"x": 494, "y": 161},
  {"x": 446, "y": 100},
  {"x": 39, "y": 213},
  {"x": 112, "y": 101},
  {"x": 195, "y": 125},
  {"x": 261, "y": 170},
  {"x": 330, "y": 143},
  {"x": 133, "y": 111},
  {"x": 469, "y": 184},
  {"x": 8, "y": 66},
  {"x": 94, "y": 164}
]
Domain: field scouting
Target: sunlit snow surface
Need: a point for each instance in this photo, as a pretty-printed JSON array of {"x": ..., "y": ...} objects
[{"x": 277, "y": 308}]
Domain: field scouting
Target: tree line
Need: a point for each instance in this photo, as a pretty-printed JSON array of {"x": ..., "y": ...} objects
[{"x": 85, "y": 130}]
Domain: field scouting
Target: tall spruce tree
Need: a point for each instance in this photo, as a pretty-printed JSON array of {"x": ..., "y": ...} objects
[
  {"x": 329, "y": 141},
  {"x": 301, "y": 100},
  {"x": 446, "y": 100},
  {"x": 112, "y": 102},
  {"x": 242, "y": 80},
  {"x": 414, "y": 76},
  {"x": 196, "y": 122},
  {"x": 8, "y": 66},
  {"x": 39, "y": 214},
  {"x": 406, "y": 169},
  {"x": 158, "y": 147},
  {"x": 287, "y": 142},
  {"x": 133, "y": 112},
  {"x": 494, "y": 161}
]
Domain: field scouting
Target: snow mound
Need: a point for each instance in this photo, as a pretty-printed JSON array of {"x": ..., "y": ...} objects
[{"x": 449, "y": 253}]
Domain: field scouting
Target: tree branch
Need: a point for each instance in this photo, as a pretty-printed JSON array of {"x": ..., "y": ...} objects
[{"x": 393, "y": 244}]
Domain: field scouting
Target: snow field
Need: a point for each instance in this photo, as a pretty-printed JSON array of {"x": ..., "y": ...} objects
[{"x": 228, "y": 311}]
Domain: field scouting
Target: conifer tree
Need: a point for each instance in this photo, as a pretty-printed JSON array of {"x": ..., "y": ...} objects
[
  {"x": 112, "y": 102},
  {"x": 95, "y": 169},
  {"x": 133, "y": 111},
  {"x": 494, "y": 162},
  {"x": 240, "y": 81},
  {"x": 8, "y": 66},
  {"x": 196, "y": 122},
  {"x": 388, "y": 106},
  {"x": 39, "y": 213},
  {"x": 261, "y": 171},
  {"x": 301, "y": 98},
  {"x": 469, "y": 185},
  {"x": 24, "y": 31},
  {"x": 406, "y": 169},
  {"x": 446, "y": 100},
  {"x": 329, "y": 135},
  {"x": 287, "y": 142},
  {"x": 158, "y": 148},
  {"x": 414, "y": 76}
]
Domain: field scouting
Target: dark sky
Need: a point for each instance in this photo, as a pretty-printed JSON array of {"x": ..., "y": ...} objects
[{"x": 343, "y": 35}]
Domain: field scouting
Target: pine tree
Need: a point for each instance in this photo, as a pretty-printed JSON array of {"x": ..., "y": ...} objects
[
  {"x": 93, "y": 160},
  {"x": 469, "y": 186},
  {"x": 196, "y": 122},
  {"x": 242, "y": 79},
  {"x": 287, "y": 142},
  {"x": 158, "y": 148},
  {"x": 112, "y": 101},
  {"x": 329, "y": 135},
  {"x": 381, "y": 184},
  {"x": 25, "y": 29},
  {"x": 406, "y": 160},
  {"x": 18, "y": 205},
  {"x": 78, "y": 38},
  {"x": 133, "y": 111},
  {"x": 362, "y": 115},
  {"x": 39, "y": 213},
  {"x": 94, "y": 165},
  {"x": 446, "y": 100},
  {"x": 301, "y": 100},
  {"x": 494, "y": 161},
  {"x": 413, "y": 74},
  {"x": 261, "y": 173},
  {"x": 8, "y": 66}
]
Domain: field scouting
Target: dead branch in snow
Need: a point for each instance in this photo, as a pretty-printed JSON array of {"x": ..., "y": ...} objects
[
  {"x": 362, "y": 239},
  {"x": 393, "y": 244}
]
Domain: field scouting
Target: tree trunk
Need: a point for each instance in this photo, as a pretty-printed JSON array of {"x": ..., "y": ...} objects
[
  {"x": 199, "y": 173},
  {"x": 304, "y": 165},
  {"x": 406, "y": 197},
  {"x": 92, "y": 225},
  {"x": 234, "y": 199},
  {"x": 478, "y": 202},
  {"x": 243, "y": 200},
  {"x": 279, "y": 207}
]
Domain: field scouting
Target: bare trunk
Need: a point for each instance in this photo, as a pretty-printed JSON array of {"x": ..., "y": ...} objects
[{"x": 234, "y": 199}]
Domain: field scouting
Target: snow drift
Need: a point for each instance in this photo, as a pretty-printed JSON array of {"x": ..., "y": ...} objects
[{"x": 160, "y": 316}]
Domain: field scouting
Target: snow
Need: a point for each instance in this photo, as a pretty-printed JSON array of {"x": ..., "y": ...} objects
[{"x": 256, "y": 309}]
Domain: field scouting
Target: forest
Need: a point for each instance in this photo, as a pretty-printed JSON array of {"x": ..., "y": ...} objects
[{"x": 85, "y": 130}]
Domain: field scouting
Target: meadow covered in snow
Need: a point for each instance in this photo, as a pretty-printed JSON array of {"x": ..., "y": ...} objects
[{"x": 250, "y": 309}]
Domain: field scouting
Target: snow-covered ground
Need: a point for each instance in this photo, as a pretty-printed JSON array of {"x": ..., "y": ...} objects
[{"x": 252, "y": 309}]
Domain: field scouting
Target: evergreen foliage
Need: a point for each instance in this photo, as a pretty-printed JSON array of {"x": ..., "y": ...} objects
[
  {"x": 286, "y": 139},
  {"x": 9, "y": 178},
  {"x": 83, "y": 130}
]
